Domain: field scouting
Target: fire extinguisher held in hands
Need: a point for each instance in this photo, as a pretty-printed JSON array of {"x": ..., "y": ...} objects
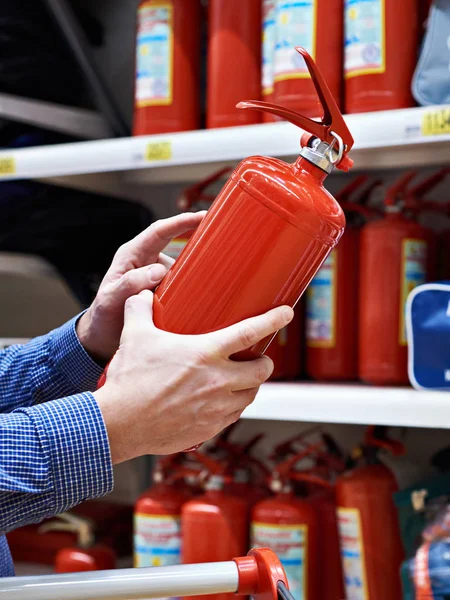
[
  {"x": 368, "y": 524},
  {"x": 157, "y": 516},
  {"x": 393, "y": 261},
  {"x": 167, "y": 66},
  {"x": 289, "y": 525},
  {"x": 380, "y": 54},
  {"x": 317, "y": 26},
  {"x": 214, "y": 525},
  {"x": 234, "y": 61},
  {"x": 193, "y": 198},
  {"x": 87, "y": 555},
  {"x": 266, "y": 234},
  {"x": 332, "y": 297}
]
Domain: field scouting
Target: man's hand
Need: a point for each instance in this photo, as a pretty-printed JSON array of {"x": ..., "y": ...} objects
[
  {"x": 166, "y": 392},
  {"x": 138, "y": 265}
]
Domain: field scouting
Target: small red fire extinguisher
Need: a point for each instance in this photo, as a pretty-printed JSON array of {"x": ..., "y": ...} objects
[
  {"x": 157, "y": 516},
  {"x": 332, "y": 297},
  {"x": 317, "y": 26},
  {"x": 266, "y": 234},
  {"x": 193, "y": 198},
  {"x": 394, "y": 259},
  {"x": 368, "y": 524},
  {"x": 87, "y": 555},
  {"x": 380, "y": 54},
  {"x": 214, "y": 525},
  {"x": 234, "y": 61},
  {"x": 289, "y": 525},
  {"x": 167, "y": 66}
]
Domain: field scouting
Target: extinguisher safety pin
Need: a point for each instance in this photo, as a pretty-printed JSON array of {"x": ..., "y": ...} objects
[
  {"x": 340, "y": 151},
  {"x": 283, "y": 592}
]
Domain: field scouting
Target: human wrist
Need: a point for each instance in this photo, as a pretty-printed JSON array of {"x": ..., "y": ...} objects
[
  {"x": 90, "y": 340},
  {"x": 122, "y": 445}
]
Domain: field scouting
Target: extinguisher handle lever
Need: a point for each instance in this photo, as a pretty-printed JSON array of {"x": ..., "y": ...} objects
[
  {"x": 419, "y": 190},
  {"x": 195, "y": 192},
  {"x": 330, "y": 128},
  {"x": 398, "y": 188}
]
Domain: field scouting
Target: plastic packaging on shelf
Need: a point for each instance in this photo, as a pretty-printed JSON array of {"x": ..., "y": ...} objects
[
  {"x": 317, "y": 26},
  {"x": 380, "y": 54},
  {"x": 234, "y": 61},
  {"x": 167, "y": 66}
]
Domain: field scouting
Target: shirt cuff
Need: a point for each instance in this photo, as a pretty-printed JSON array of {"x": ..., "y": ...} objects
[
  {"x": 71, "y": 359},
  {"x": 73, "y": 436}
]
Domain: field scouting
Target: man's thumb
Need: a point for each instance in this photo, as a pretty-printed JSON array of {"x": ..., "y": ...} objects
[{"x": 139, "y": 309}]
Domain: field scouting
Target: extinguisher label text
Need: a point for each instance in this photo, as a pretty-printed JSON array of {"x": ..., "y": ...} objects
[
  {"x": 414, "y": 273},
  {"x": 364, "y": 37},
  {"x": 290, "y": 544},
  {"x": 321, "y": 305},
  {"x": 352, "y": 553},
  {"x": 268, "y": 45},
  {"x": 154, "y": 55},
  {"x": 157, "y": 540},
  {"x": 296, "y": 26}
]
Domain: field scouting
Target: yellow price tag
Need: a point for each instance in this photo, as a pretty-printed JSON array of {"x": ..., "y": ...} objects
[
  {"x": 7, "y": 166},
  {"x": 158, "y": 151},
  {"x": 436, "y": 122}
]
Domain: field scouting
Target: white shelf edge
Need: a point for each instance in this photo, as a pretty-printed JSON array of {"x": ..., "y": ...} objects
[
  {"x": 350, "y": 404},
  {"x": 382, "y": 139}
]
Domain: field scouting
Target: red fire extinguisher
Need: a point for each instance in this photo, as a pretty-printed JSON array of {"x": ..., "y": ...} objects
[
  {"x": 193, "y": 198},
  {"x": 332, "y": 297},
  {"x": 289, "y": 525},
  {"x": 380, "y": 54},
  {"x": 167, "y": 66},
  {"x": 214, "y": 525},
  {"x": 269, "y": 20},
  {"x": 286, "y": 349},
  {"x": 234, "y": 61},
  {"x": 157, "y": 516},
  {"x": 393, "y": 261},
  {"x": 368, "y": 524},
  {"x": 87, "y": 555},
  {"x": 317, "y": 26},
  {"x": 266, "y": 234}
]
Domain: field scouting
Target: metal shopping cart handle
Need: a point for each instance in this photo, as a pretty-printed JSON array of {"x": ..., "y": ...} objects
[{"x": 258, "y": 574}]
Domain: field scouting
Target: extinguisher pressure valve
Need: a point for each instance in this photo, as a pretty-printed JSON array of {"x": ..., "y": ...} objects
[{"x": 328, "y": 141}]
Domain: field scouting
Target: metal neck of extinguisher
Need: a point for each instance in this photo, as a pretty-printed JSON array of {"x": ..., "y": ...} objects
[
  {"x": 394, "y": 200},
  {"x": 215, "y": 471},
  {"x": 196, "y": 193},
  {"x": 376, "y": 439},
  {"x": 329, "y": 140},
  {"x": 281, "y": 475}
]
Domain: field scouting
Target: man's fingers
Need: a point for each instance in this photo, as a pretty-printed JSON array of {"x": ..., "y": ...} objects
[
  {"x": 245, "y": 334},
  {"x": 139, "y": 309},
  {"x": 146, "y": 247},
  {"x": 166, "y": 261},
  {"x": 135, "y": 281},
  {"x": 252, "y": 373}
]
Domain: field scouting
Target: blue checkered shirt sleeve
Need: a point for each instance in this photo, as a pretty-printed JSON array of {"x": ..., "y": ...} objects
[{"x": 54, "y": 454}]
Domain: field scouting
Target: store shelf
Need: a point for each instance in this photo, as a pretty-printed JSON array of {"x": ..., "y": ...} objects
[
  {"x": 382, "y": 140},
  {"x": 352, "y": 404}
]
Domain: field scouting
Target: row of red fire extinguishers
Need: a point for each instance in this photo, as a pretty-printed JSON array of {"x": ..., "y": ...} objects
[
  {"x": 331, "y": 521},
  {"x": 353, "y": 326}
]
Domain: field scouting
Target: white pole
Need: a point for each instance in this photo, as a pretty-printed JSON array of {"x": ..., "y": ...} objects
[{"x": 125, "y": 584}]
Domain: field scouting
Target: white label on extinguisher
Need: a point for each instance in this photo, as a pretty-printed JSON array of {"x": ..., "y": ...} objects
[
  {"x": 268, "y": 45},
  {"x": 157, "y": 540},
  {"x": 364, "y": 37},
  {"x": 289, "y": 543},
  {"x": 154, "y": 54},
  {"x": 321, "y": 305},
  {"x": 414, "y": 273},
  {"x": 352, "y": 553},
  {"x": 296, "y": 26}
]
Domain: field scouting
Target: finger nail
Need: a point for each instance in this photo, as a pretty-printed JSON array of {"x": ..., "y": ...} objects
[
  {"x": 156, "y": 272},
  {"x": 288, "y": 314}
]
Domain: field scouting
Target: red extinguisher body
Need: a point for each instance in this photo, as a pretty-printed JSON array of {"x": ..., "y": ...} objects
[
  {"x": 273, "y": 238},
  {"x": 380, "y": 54},
  {"x": 332, "y": 314},
  {"x": 393, "y": 262},
  {"x": 289, "y": 526},
  {"x": 369, "y": 532},
  {"x": 234, "y": 61},
  {"x": 167, "y": 67},
  {"x": 157, "y": 525},
  {"x": 214, "y": 528},
  {"x": 74, "y": 560},
  {"x": 317, "y": 26}
]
